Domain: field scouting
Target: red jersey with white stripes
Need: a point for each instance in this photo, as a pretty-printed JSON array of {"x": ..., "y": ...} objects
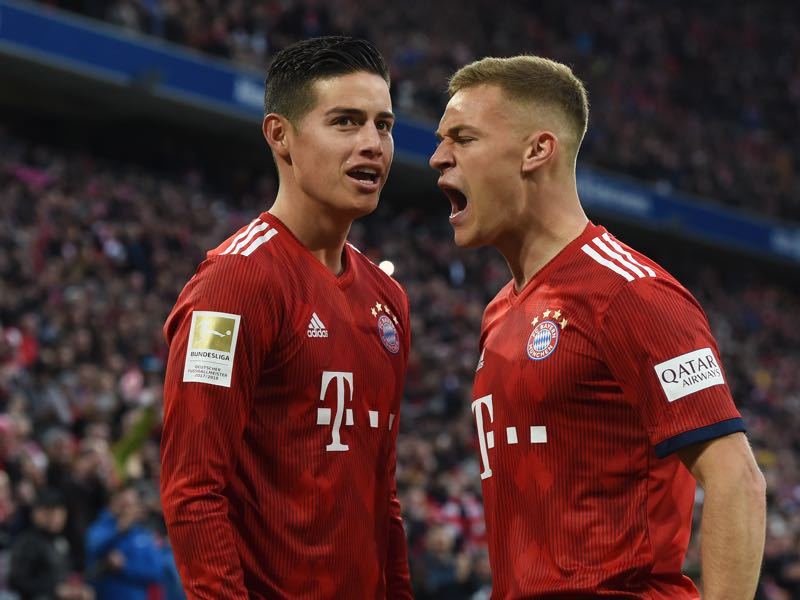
[
  {"x": 282, "y": 398},
  {"x": 589, "y": 380}
]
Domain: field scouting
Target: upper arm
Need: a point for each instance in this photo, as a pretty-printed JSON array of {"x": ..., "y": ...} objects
[
  {"x": 723, "y": 459},
  {"x": 220, "y": 335},
  {"x": 226, "y": 311}
]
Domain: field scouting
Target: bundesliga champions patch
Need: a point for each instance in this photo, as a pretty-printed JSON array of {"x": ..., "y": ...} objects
[{"x": 211, "y": 348}]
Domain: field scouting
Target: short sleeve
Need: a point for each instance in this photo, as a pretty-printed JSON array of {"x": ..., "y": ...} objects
[{"x": 658, "y": 345}]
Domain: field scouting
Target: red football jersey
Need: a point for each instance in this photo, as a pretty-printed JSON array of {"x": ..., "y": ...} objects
[
  {"x": 588, "y": 381},
  {"x": 282, "y": 403}
]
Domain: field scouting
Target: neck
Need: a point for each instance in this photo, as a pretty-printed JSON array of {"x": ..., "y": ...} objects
[
  {"x": 551, "y": 222},
  {"x": 321, "y": 231}
]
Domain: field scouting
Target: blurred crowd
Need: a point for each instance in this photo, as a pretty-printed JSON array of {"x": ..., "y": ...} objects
[
  {"x": 700, "y": 97},
  {"x": 93, "y": 254}
]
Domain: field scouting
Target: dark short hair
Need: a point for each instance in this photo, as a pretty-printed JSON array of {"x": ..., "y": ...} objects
[{"x": 294, "y": 70}]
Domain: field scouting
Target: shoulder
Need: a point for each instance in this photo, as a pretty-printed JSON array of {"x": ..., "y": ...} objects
[
  {"x": 251, "y": 259},
  {"x": 247, "y": 240},
  {"x": 642, "y": 307},
  {"x": 236, "y": 275},
  {"x": 229, "y": 285},
  {"x": 255, "y": 247},
  {"x": 616, "y": 275},
  {"x": 612, "y": 264}
]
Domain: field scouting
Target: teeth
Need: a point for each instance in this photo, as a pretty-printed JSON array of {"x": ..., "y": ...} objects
[{"x": 371, "y": 174}]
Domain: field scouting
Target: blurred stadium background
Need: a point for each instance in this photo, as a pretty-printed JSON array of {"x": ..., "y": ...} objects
[{"x": 130, "y": 144}]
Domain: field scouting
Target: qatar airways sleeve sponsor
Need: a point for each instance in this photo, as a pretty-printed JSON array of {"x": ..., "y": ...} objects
[{"x": 689, "y": 373}]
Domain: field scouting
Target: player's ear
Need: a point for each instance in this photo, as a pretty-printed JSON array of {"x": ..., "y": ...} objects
[
  {"x": 541, "y": 146},
  {"x": 276, "y": 131}
]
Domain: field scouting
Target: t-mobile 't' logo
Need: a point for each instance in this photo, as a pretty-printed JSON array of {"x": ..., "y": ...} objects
[
  {"x": 485, "y": 438},
  {"x": 324, "y": 414}
]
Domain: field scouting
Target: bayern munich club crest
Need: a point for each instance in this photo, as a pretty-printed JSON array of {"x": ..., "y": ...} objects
[
  {"x": 387, "y": 327},
  {"x": 543, "y": 340}
]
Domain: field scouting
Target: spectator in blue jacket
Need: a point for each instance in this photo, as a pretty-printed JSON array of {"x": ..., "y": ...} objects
[{"x": 123, "y": 558}]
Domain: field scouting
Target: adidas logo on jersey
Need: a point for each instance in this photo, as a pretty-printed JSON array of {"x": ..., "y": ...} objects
[{"x": 316, "y": 328}]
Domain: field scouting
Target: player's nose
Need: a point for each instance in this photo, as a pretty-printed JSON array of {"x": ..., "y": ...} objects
[
  {"x": 369, "y": 141},
  {"x": 442, "y": 158}
]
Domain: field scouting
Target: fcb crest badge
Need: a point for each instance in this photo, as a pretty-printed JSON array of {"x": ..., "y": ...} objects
[
  {"x": 543, "y": 340},
  {"x": 387, "y": 327}
]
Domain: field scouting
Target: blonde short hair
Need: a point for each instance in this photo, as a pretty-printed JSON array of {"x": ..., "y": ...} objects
[{"x": 529, "y": 79}]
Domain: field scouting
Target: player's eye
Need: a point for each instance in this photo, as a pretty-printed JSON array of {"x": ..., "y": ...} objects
[
  {"x": 385, "y": 125},
  {"x": 344, "y": 121}
]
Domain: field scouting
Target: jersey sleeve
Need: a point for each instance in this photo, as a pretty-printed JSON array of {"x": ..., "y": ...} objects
[
  {"x": 658, "y": 345},
  {"x": 398, "y": 578},
  {"x": 219, "y": 334}
]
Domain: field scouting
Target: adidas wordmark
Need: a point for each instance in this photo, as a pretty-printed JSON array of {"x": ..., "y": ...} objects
[{"x": 316, "y": 328}]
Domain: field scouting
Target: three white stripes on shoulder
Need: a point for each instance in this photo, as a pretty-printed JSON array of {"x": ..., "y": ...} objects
[
  {"x": 248, "y": 240},
  {"x": 619, "y": 260}
]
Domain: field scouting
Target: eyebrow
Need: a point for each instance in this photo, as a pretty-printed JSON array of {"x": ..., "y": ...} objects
[
  {"x": 355, "y": 112},
  {"x": 454, "y": 131}
]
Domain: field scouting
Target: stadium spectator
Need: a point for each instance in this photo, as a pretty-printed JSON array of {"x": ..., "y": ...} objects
[
  {"x": 442, "y": 572},
  {"x": 657, "y": 113},
  {"x": 123, "y": 559},
  {"x": 40, "y": 558}
]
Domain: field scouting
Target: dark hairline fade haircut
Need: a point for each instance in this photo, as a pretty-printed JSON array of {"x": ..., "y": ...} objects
[
  {"x": 288, "y": 90},
  {"x": 531, "y": 79}
]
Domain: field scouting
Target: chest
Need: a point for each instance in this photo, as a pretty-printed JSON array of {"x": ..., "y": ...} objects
[
  {"x": 543, "y": 390},
  {"x": 543, "y": 352},
  {"x": 357, "y": 329},
  {"x": 337, "y": 365}
]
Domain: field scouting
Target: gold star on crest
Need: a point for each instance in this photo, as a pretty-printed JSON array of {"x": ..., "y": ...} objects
[
  {"x": 563, "y": 323},
  {"x": 557, "y": 314},
  {"x": 535, "y": 321},
  {"x": 374, "y": 313},
  {"x": 379, "y": 306},
  {"x": 395, "y": 320},
  {"x": 546, "y": 313},
  {"x": 388, "y": 312}
]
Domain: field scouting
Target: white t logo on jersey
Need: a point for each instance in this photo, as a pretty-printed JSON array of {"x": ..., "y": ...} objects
[
  {"x": 485, "y": 439},
  {"x": 324, "y": 414}
]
